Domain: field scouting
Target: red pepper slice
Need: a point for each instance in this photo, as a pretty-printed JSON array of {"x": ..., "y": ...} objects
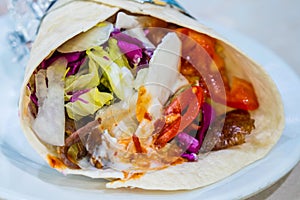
[
  {"x": 168, "y": 133},
  {"x": 189, "y": 102},
  {"x": 195, "y": 100}
]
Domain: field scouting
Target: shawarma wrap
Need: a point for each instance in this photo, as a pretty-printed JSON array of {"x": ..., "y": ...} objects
[{"x": 143, "y": 95}]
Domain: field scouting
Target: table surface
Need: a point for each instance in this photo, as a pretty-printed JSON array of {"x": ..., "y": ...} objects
[{"x": 273, "y": 23}]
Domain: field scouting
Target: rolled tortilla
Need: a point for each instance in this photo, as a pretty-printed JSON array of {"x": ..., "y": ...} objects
[{"x": 62, "y": 24}]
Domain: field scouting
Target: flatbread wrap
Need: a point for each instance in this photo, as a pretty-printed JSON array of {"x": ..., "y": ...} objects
[{"x": 142, "y": 95}]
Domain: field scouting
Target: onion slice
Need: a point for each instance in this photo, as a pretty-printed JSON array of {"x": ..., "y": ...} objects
[{"x": 49, "y": 124}]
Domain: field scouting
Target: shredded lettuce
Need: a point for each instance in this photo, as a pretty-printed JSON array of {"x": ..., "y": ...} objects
[
  {"x": 120, "y": 78},
  {"x": 87, "y": 103},
  {"x": 115, "y": 53},
  {"x": 83, "y": 81},
  {"x": 82, "y": 93}
]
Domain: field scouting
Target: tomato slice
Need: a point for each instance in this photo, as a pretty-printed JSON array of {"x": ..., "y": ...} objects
[
  {"x": 205, "y": 41},
  {"x": 242, "y": 95}
]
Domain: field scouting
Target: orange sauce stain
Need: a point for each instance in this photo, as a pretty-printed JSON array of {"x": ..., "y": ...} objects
[
  {"x": 128, "y": 176},
  {"x": 143, "y": 102},
  {"x": 178, "y": 161},
  {"x": 125, "y": 141},
  {"x": 137, "y": 175},
  {"x": 55, "y": 162}
]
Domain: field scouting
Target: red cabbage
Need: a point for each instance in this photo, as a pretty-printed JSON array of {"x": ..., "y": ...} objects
[
  {"x": 33, "y": 96},
  {"x": 120, "y": 36},
  {"x": 189, "y": 142},
  {"x": 144, "y": 63},
  {"x": 34, "y": 99},
  {"x": 74, "y": 59},
  {"x": 133, "y": 52},
  {"x": 209, "y": 115},
  {"x": 76, "y": 96},
  {"x": 190, "y": 156},
  {"x": 134, "y": 49}
]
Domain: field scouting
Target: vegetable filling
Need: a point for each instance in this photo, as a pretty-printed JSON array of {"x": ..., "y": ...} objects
[{"x": 139, "y": 97}]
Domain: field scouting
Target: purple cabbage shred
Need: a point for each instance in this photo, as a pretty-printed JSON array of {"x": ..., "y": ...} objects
[
  {"x": 76, "y": 96},
  {"x": 133, "y": 52},
  {"x": 134, "y": 49},
  {"x": 191, "y": 144},
  {"x": 188, "y": 142},
  {"x": 75, "y": 60},
  {"x": 209, "y": 115},
  {"x": 34, "y": 99},
  {"x": 120, "y": 36},
  {"x": 190, "y": 156}
]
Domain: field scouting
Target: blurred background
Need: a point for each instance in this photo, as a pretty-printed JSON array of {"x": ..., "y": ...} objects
[{"x": 275, "y": 24}]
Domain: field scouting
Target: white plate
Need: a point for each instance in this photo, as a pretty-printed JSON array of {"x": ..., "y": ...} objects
[{"x": 24, "y": 175}]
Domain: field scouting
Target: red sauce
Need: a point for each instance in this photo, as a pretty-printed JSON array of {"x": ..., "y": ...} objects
[
  {"x": 137, "y": 144},
  {"x": 147, "y": 116}
]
